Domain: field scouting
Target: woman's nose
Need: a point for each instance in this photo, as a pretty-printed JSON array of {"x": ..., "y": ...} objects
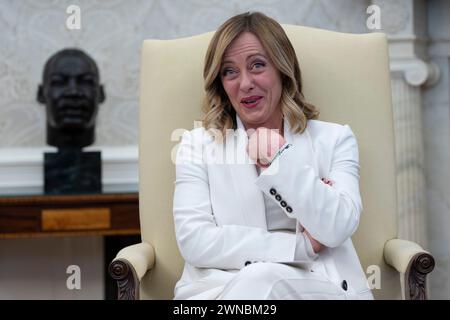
[{"x": 247, "y": 81}]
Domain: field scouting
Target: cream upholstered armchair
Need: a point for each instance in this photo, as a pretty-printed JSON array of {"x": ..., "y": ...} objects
[{"x": 347, "y": 77}]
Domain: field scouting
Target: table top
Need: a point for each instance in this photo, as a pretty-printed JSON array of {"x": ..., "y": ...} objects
[{"x": 28, "y": 212}]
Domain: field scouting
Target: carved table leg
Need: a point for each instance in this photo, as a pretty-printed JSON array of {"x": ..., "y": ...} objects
[
  {"x": 127, "y": 281},
  {"x": 416, "y": 276}
]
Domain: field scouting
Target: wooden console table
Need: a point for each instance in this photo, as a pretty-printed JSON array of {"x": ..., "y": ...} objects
[
  {"x": 40, "y": 215},
  {"x": 113, "y": 215}
]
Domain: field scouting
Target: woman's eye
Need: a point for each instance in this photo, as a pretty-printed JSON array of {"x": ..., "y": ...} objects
[
  {"x": 258, "y": 65},
  {"x": 227, "y": 72}
]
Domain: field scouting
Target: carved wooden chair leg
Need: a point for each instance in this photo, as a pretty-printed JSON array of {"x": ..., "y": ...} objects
[
  {"x": 127, "y": 281},
  {"x": 416, "y": 276}
]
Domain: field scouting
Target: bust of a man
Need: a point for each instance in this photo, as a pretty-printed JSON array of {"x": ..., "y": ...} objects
[{"x": 72, "y": 92}]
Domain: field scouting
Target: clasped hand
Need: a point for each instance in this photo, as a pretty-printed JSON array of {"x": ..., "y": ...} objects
[{"x": 263, "y": 144}]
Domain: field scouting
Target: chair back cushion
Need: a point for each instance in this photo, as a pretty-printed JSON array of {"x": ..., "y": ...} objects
[{"x": 345, "y": 75}]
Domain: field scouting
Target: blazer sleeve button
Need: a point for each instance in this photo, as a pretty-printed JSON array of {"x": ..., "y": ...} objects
[
  {"x": 283, "y": 203},
  {"x": 344, "y": 285},
  {"x": 289, "y": 209},
  {"x": 273, "y": 191},
  {"x": 278, "y": 197}
]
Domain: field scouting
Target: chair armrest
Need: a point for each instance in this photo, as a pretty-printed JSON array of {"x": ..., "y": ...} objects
[
  {"x": 413, "y": 263},
  {"x": 128, "y": 268}
]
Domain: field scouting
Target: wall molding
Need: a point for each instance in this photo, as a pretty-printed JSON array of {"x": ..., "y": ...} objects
[
  {"x": 416, "y": 72},
  {"x": 23, "y": 167}
]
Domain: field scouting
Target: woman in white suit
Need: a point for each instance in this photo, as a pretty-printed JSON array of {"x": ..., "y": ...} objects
[{"x": 266, "y": 198}]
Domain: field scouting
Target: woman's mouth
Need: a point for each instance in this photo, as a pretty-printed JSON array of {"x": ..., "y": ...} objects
[{"x": 250, "y": 102}]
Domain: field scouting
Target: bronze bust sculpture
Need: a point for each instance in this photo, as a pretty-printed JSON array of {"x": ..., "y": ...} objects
[{"x": 71, "y": 92}]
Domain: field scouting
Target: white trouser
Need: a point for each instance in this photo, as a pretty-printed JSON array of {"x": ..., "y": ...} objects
[{"x": 264, "y": 280}]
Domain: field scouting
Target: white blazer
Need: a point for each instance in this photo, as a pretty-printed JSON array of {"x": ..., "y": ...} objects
[{"x": 219, "y": 212}]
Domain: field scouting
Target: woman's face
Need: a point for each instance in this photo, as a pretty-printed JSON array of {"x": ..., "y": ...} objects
[{"x": 252, "y": 83}]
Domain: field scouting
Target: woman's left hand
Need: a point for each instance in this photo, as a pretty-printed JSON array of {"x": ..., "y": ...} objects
[
  {"x": 262, "y": 146},
  {"x": 316, "y": 245}
]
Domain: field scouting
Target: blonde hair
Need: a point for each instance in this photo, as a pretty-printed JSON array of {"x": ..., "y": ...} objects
[{"x": 219, "y": 113}]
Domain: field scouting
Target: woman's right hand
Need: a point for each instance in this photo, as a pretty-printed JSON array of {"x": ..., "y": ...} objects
[{"x": 262, "y": 145}]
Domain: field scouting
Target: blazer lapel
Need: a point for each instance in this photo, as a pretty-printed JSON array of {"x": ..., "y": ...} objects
[
  {"x": 303, "y": 147},
  {"x": 243, "y": 174}
]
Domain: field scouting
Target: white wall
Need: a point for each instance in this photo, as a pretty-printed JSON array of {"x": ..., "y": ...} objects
[
  {"x": 36, "y": 268},
  {"x": 437, "y": 148}
]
